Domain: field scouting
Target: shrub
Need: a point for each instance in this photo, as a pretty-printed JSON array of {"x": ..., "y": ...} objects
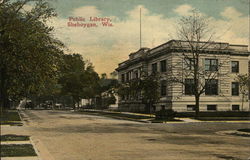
[{"x": 163, "y": 114}]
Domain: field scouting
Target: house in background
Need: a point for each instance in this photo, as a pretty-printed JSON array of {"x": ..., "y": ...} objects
[{"x": 221, "y": 94}]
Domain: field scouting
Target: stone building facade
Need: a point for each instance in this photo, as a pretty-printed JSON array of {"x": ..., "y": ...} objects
[{"x": 168, "y": 60}]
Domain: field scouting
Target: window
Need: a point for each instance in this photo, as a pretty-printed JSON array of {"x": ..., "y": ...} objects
[
  {"x": 235, "y": 88},
  {"x": 136, "y": 75},
  {"x": 211, "y": 64},
  {"x": 123, "y": 78},
  {"x": 137, "y": 96},
  {"x": 163, "y": 66},
  {"x": 189, "y": 63},
  {"x": 163, "y": 88},
  {"x": 154, "y": 68},
  {"x": 122, "y": 97},
  {"x": 163, "y": 107},
  {"x": 189, "y": 86},
  {"x": 190, "y": 107},
  {"x": 235, "y": 107},
  {"x": 235, "y": 66},
  {"x": 211, "y": 87},
  {"x": 127, "y": 76},
  {"x": 211, "y": 107}
]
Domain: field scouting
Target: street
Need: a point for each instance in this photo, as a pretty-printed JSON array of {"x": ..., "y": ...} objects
[{"x": 64, "y": 135}]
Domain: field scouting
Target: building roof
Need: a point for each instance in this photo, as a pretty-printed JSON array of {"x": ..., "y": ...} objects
[{"x": 184, "y": 46}]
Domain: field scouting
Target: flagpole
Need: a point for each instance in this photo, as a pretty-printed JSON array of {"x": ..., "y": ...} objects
[
  {"x": 249, "y": 26},
  {"x": 140, "y": 28}
]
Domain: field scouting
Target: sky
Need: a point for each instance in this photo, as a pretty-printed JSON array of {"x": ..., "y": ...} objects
[{"x": 105, "y": 47}]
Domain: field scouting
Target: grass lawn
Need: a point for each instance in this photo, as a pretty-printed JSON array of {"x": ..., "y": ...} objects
[
  {"x": 222, "y": 118},
  {"x": 11, "y": 123},
  {"x": 10, "y": 117},
  {"x": 247, "y": 130},
  {"x": 13, "y": 137},
  {"x": 220, "y": 114},
  {"x": 17, "y": 150}
]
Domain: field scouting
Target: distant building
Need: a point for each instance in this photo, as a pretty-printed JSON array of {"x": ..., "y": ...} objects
[{"x": 222, "y": 95}]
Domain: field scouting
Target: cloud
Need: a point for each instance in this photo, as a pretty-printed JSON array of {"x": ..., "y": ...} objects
[
  {"x": 231, "y": 13},
  {"x": 184, "y": 10},
  {"x": 86, "y": 11},
  {"x": 108, "y": 46},
  {"x": 233, "y": 29}
]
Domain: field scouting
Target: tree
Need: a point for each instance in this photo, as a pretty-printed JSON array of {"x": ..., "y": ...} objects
[
  {"x": 114, "y": 74},
  {"x": 104, "y": 76},
  {"x": 107, "y": 91},
  {"x": 91, "y": 81},
  {"x": 195, "y": 38},
  {"x": 29, "y": 53},
  {"x": 145, "y": 89},
  {"x": 244, "y": 84},
  {"x": 149, "y": 88},
  {"x": 78, "y": 79}
]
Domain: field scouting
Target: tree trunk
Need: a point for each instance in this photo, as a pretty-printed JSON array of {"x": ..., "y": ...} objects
[
  {"x": 4, "y": 99},
  {"x": 242, "y": 102},
  {"x": 147, "y": 108},
  {"x": 197, "y": 106},
  {"x": 73, "y": 103},
  {"x": 78, "y": 105}
]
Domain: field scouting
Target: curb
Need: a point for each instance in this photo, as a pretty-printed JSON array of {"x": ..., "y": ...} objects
[
  {"x": 41, "y": 150},
  {"x": 129, "y": 119},
  {"x": 15, "y": 142},
  {"x": 115, "y": 117},
  {"x": 20, "y": 158},
  {"x": 18, "y": 111},
  {"x": 34, "y": 146}
]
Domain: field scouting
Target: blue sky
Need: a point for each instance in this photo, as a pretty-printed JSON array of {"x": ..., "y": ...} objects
[
  {"x": 120, "y": 7},
  {"x": 108, "y": 46}
]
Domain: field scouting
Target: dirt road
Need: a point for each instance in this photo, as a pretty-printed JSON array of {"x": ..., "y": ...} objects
[{"x": 64, "y": 135}]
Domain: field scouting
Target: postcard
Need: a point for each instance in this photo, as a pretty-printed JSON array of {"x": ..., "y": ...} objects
[{"x": 121, "y": 80}]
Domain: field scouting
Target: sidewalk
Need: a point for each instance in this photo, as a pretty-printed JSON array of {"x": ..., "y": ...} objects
[
  {"x": 18, "y": 130},
  {"x": 188, "y": 120}
]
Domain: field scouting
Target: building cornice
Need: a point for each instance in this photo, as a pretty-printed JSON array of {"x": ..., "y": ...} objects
[{"x": 171, "y": 47}]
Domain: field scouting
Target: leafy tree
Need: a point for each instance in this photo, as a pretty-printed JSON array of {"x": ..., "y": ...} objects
[
  {"x": 123, "y": 89},
  {"x": 78, "y": 80},
  {"x": 244, "y": 84},
  {"x": 114, "y": 74},
  {"x": 145, "y": 89},
  {"x": 104, "y": 76},
  {"x": 149, "y": 85},
  {"x": 29, "y": 54},
  {"x": 107, "y": 91},
  {"x": 91, "y": 81}
]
